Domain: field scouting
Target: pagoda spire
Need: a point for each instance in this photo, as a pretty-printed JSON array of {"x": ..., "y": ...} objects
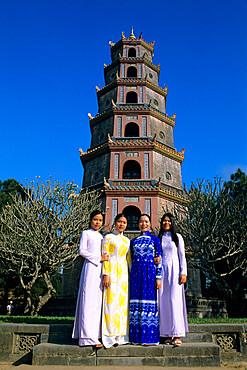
[{"x": 132, "y": 36}]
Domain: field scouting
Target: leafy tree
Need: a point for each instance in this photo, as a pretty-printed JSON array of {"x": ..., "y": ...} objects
[
  {"x": 214, "y": 227},
  {"x": 39, "y": 234},
  {"x": 8, "y": 187}
]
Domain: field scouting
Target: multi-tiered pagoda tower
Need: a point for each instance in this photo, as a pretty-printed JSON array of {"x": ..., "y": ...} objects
[{"x": 132, "y": 155}]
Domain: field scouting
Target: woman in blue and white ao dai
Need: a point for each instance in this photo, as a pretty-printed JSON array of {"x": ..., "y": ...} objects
[{"x": 144, "y": 317}]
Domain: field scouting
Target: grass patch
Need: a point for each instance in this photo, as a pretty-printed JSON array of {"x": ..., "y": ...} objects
[
  {"x": 36, "y": 320},
  {"x": 69, "y": 320},
  {"x": 217, "y": 320}
]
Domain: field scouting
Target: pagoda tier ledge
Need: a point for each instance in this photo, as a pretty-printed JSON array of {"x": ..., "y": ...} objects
[
  {"x": 129, "y": 81},
  {"x": 137, "y": 41},
  {"x": 152, "y": 187},
  {"x": 138, "y": 190},
  {"x": 138, "y": 108},
  {"x": 139, "y": 59},
  {"x": 120, "y": 81},
  {"x": 135, "y": 143}
]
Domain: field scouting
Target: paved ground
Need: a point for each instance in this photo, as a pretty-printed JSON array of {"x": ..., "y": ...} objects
[{"x": 226, "y": 366}]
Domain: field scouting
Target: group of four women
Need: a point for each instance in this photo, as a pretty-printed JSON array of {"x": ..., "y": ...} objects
[{"x": 142, "y": 282}]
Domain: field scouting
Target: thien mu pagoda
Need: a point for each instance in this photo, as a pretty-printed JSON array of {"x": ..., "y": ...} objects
[{"x": 132, "y": 156}]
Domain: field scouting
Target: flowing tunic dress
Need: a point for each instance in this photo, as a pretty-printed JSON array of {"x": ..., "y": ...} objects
[
  {"x": 144, "y": 318},
  {"x": 172, "y": 305},
  {"x": 87, "y": 324},
  {"x": 115, "y": 298}
]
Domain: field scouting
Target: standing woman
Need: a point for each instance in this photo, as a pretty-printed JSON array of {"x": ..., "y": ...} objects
[
  {"x": 172, "y": 305},
  {"x": 87, "y": 324},
  {"x": 144, "y": 282},
  {"x": 115, "y": 282}
]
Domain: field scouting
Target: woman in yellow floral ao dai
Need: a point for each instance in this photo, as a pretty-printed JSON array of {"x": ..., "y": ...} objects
[{"x": 115, "y": 282}]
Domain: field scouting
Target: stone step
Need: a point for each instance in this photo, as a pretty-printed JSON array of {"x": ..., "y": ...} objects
[
  {"x": 188, "y": 355},
  {"x": 61, "y": 334},
  {"x": 197, "y": 337}
]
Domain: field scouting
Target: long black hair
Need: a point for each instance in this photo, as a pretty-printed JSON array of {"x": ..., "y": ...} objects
[{"x": 172, "y": 229}]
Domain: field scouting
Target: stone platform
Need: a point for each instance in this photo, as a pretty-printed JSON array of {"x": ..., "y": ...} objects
[
  {"x": 205, "y": 345},
  {"x": 188, "y": 355}
]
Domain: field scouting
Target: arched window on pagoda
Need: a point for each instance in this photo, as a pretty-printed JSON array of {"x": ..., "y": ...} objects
[
  {"x": 131, "y": 97},
  {"x": 132, "y": 214},
  {"x": 132, "y": 72},
  {"x": 131, "y": 170},
  {"x": 132, "y": 52},
  {"x": 131, "y": 130}
]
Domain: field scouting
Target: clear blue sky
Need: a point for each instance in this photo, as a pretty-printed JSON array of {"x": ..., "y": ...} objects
[{"x": 52, "y": 57}]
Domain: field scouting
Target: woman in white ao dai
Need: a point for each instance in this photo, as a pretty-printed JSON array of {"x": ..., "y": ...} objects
[
  {"x": 87, "y": 324},
  {"x": 172, "y": 305}
]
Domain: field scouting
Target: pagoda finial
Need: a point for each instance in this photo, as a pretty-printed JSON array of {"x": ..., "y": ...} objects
[
  {"x": 109, "y": 138},
  {"x": 132, "y": 36},
  {"x": 106, "y": 183}
]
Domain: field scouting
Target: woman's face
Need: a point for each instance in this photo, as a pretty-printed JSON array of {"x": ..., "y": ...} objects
[
  {"x": 144, "y": 224},
  {"x": 121, "y": 224},
  {"x": 166, "y": 224},
  {"x": 96, "y": 222}
]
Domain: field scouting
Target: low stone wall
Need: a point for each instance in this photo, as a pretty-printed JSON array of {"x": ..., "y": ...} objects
[
  {"x": 231, "y": 338},
  {"x": 18, "y": 340}
]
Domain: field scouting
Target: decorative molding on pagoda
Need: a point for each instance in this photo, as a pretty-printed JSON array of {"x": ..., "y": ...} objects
[
  {"x": 132, "y": 59},
  {"x": 127, "y": 40},
  {"x": 138, "y": 108},
  {"x": 129, "y": 81},
  {"x": 130, "y": 144},
  {"x": 158, "y": 189}
]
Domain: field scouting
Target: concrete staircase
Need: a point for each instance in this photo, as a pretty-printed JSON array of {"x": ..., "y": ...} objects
[{"x": 197, "y": 350}]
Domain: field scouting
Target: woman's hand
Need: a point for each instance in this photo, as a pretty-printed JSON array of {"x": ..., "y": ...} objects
[
  {"x": 104, "y": 257},
  {"x": 106, "y": 281},
  {"x": 157, "y": 283},
  {"x": 157, "y": 260},
  {"x": 182, "y": 279}
]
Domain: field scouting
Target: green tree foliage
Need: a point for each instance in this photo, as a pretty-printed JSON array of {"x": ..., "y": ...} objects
[
  {"x": 8, "y": 187},
  {"x": 214, "y": 228},
  {"x": 40, "y": 233}
]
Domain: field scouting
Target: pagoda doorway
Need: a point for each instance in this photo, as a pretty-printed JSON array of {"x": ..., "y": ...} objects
[{"x": 132, "y": 214}]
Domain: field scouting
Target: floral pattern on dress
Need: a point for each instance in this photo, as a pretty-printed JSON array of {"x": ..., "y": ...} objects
[{"x": 115, "y": 298}]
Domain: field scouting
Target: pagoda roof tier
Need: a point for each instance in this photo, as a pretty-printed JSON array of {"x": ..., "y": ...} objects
[
  {"x": 152, "y": 188},
  {"x": 136, "y": 41},
  {"x": 142, "y": 59},
  {"x": 124, "y": 144},
  {"x": 130, "y": 81},
  {"x": 138, "y": 187},
  {"x": 138, "y": 108}
]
